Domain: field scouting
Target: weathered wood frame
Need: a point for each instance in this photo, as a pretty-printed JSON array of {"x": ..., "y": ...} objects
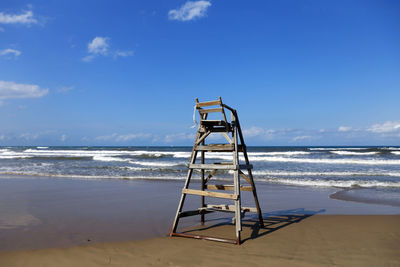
[{"x": 235, "y": 145}]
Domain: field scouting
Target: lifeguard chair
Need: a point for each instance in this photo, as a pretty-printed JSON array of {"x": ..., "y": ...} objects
[{"x": 235, "y": 144}]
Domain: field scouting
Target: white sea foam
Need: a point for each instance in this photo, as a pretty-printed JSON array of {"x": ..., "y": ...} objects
[
  {"x": 328, "y": 161},
  {"x": 13, "y": 157},
  {"x": 94, "y": 177},
  {"x": 332, "y": 183},
  {"x": 396, "y": 152},
  {"x": 156, "y": 163},
  {"x": 74, "y": 153},
  {"x": 175, "y": 154},
  {"x": 391, "y": 148},
  {"x": 337, "y": 148},
  {"x": 108, "y": 158},
  {"x": 352, "y": 153},
  {"x": 282, "y": 153},
  {"x": 300, "y": 173},
  {"x": 42, "y": 147}
]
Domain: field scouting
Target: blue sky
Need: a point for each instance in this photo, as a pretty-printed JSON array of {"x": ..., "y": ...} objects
[{"x": 127, "y": 72}]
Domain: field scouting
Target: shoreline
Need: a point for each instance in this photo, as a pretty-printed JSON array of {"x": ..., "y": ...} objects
[{"x": 337, "y": 193}]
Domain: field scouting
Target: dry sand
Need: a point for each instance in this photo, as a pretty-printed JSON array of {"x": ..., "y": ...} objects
[{"x": 319, "y": 240}]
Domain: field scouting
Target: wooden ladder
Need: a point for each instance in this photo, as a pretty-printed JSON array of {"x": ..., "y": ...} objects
[{"x": 233, "y": 134}]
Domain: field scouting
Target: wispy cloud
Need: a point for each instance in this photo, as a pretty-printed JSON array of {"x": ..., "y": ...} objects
[
  {"x": 122, "y": 54},
  {"x": 344, "y": 129},
  {"x": 301, "y": 138},
  {"x": 26, "y": 18},
  {"x": 129, "y": 137},
  {"x": 386, "y": 127},
  {"x": 100, "y": 46},
  {"x": 65, "y": 89},
  {"x": 29, "y": 136},
  {"x": 170, "y": 138},
  {"x": 123, "y": 137},
  {"x": 10, "y": 52},
  {"x": 9, "y": 89},
  {"x": 189, "y": 11},
  {"x": 258, "y": 132}
]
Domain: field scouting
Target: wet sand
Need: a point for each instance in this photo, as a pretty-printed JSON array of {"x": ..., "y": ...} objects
[{"x": 319, "y": 240}]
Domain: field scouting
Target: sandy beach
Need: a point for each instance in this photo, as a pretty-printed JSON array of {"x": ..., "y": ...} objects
[
  {"x": 319, "y": 240},
  {"x": 125, "y": 223}
]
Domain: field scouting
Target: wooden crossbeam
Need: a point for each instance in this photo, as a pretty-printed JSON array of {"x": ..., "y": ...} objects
[
  {"x": 209, "y": 176},
  {"x": 216, "y": 147},
  {"x": 227, "y": 137},
  {"x": 209, "y": 194},
  {"x": 202, "y": 137},
  {"x": 245, "y": 177},
  {"x": 220, "y": 166},
  {"x": 231, "y": 208},
  {"x": 227, "y": 187},
  {"x": 208, "y": 103},
  {"x": 210, "y": 110}
]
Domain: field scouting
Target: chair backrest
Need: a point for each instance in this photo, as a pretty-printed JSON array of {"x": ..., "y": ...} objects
[{"x": 204, "y": 108}]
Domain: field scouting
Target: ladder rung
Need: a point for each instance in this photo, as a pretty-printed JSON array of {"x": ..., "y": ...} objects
[
  {"x": 208, "y": 103},
  {"x": 219, "y": 148},
  {"x": 227, "y": 187},
  {"x": 220, "y": 166},
  {"x": 215, "y": 129},
  {"x": 230, "y": 208},
  {"x": 210, "y": 110},
  {"x": 216, "y": 147},
  {"x": 214, "y": 123},
  {"x": 209, "y": 194}
]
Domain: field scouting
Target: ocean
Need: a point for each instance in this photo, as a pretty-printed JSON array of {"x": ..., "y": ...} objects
[{"x": 363, "y": 174}]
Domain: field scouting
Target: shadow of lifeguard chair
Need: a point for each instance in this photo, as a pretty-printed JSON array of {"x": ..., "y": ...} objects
[{"x": 235, "y": 144}]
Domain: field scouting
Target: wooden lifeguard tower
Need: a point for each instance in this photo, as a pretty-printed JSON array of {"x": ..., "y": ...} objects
[{"x": 235, "y": 143}]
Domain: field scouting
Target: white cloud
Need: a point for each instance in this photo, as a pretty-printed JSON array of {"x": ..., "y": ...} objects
[
  {"x": 99, "y": 45},
  {"x": 169, "y": 138},
  {"x": 123, "y": 137},
  {"x": 10, "y": 52},
  {"x": 129, "y": 137},
  {"x": 253, "y": 131},
  {"x": 344, "y": 129},
  {"x": 23, "y": 18},
  {"x": 299, "y": 138},
  {"x": 190, "y": 10},
  {"x": 387, "y": 127},
  {"x": 20, "y": 90}
]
